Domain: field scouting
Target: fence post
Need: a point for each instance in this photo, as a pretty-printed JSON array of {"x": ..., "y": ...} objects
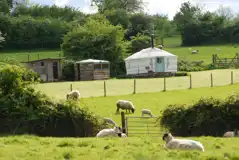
[
  {"x": 38, "y": 56},
  {"x": 190, "y": 80},
  {"x": 231, "y": 77},
  {"x": 104, "y": 89},
  {"x": 123, "y": 122},
  {"x": 164, "y": 84},
  {"x": 211, "y": 80},
  {"x": 134, "y": 86},
  {"x": 71, "y": 87},
  {"x": 28, "y": 57}
]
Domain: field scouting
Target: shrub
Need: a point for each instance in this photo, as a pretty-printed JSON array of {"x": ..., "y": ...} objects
[
  {"x": 68, "y": 70},
  {"x": 24, "y": 110},
  {"x": 207, "y": 117},
  {"x": 188, "y": 66},
  {"x": 180, "y": 74}
]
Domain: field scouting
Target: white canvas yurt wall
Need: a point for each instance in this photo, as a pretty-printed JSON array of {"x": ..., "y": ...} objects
[{"x": 151, "y": 59}]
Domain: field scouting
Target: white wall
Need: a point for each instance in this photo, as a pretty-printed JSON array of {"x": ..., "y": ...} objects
[
  {"x": 171, "y": 64},
  {"x": 138, "y": 66}
]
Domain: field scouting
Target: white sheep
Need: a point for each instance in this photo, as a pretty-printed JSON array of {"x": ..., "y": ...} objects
[
  {"x": 75, "y": 94},
  {"x": 123, "y": 135},
  {"x": 116, "y": 131},
  {"x": 172, "y": 143},
  {"x": 160, "y": 46},
  {"x": 194, "y": 51},
  {"x": 146, "y": 111},
  {"x": 125, "y": 105},
  {"x": 231, "y": 134},
  {"x": 110, "y": 121}
]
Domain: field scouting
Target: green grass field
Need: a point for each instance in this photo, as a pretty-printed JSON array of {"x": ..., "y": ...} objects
[
  {"x": 172, "y": 45},
  {"x": 126, "y": 86},
  {"x": 141, "y": 148}
]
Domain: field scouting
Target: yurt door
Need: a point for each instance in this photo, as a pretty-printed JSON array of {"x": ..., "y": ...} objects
[{"x": 159, "y": 64}]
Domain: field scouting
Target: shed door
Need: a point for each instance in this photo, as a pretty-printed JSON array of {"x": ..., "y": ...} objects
[
  {"x": 159, "y": 64},
  {"x": 55, "y": 70}
]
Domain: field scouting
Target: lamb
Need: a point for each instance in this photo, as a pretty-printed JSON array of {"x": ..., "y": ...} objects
[
  {"x": 75, "y": 95},
  {"x": 194, "y": 51},
  {"x": 146, "y": 111},
  {"x": 231, "y": 134},
  {"x": 125, "y": 105},
  {"x": 172, "y": 143},
  {"x": 110, "y": 121},
  {"x": 116, "y": 131}
]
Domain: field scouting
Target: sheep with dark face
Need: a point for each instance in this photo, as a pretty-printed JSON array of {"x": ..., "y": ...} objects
[
  {"x": 231, "y": 134},
  {"x": 124, "y": 105},
  {"x": 75, "y": 95},
  {"x": 184, "y": 144},
  {"x": 114, "y": 132},
  {"x": 195, "y": 51}
]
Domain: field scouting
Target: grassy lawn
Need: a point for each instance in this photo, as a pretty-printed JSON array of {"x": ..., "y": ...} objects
[
  {"x": 121, "y": 87},
  {"x": 145, "y": 148}
]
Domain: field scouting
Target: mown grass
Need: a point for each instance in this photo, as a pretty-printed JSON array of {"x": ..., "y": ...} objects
[
  {"x": 126, "y": 86},
  {"x": 141, "y": 148}
]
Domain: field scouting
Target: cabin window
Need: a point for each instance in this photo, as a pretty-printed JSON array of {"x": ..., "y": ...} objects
[
  {"x": 105, "y": 66},
  {"x": 97, "y": 66},
  {"x": 42, "y": 64},
  {"x": 159, "y": 60}
]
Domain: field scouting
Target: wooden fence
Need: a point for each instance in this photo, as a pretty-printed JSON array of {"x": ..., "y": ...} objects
[
  {"x": 135, "y": 126},
  {"x": 225, "y": 62},
  {"x": 190, "y": 85}
]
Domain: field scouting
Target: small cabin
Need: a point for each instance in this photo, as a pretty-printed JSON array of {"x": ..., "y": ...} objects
[
  {"x": 48, "y": 69},
  {"x": 92, "y": 69}
]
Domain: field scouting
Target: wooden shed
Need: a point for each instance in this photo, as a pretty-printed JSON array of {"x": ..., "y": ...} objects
[
  {"x": 49, "y": 69},
  {"x": 92, "y": 69}
]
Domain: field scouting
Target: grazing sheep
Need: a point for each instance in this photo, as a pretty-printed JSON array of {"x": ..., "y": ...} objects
[
  {"x": 116, "y": 131},
  {"x": 231, "y": 134},
  {"x": 172, "y": 143},
  {"x": 125, "y": 105},
  {"x": 75, "y": 94},
  {"x": 110, "y": 121},
  {"x": 194, "y": 51},
  {"x": 146, "y": 111},
  {"x": 160, "y": 46}
]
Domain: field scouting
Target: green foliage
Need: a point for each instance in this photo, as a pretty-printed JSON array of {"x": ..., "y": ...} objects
[
  {"x": 27, "y": 32},
  {"x": 68, "y": 70},
  {"x": 26, "y": 111},
  {"x": 65, "y": 14},
  {"x": 184, "y": 65},
  {"x": 180, "y": 74},
  {"x": 138, "y": 43},
  {"x": 2, "y": 39},
  {"x": 4, "y": 7},
  {"x": 207, "y": 117},
  {"x": 117, "y": 17},
  {"x": 97, "y": 39}
]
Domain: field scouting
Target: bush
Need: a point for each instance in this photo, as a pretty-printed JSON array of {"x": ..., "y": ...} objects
[
  {"x": 180, "y": 74},
  {"x": 207, "y": 117},
  {"x": 68, "y": 70},
  {"x": 26, "y": 111},
  {"x": 188, "y": 66}
]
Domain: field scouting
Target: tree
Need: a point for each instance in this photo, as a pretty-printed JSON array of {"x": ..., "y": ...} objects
[
  {"x": 97, "y": 38},
  {"x": 117, "y": 17},
  {"x": 127, "y": 5},
  {"x": 139, "y": 42},
  {"x": 4, "y": 7},
  {"x": 187, "y": 14}
]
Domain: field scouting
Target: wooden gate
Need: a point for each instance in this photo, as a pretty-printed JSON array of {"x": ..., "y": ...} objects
[{"x": 225, "y": 62}]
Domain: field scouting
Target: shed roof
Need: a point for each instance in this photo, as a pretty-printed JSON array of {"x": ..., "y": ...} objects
[
  {"x": 45, "y": 59},
  {"x": 148, "y": 53},
  {"x": 92, "y": 61}
]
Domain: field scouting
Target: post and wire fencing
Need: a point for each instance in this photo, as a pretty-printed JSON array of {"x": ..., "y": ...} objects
[{"x": 143, "y": 85}]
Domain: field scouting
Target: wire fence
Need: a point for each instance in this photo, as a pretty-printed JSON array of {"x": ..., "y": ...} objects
[{"x": 134, "y": 86}]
